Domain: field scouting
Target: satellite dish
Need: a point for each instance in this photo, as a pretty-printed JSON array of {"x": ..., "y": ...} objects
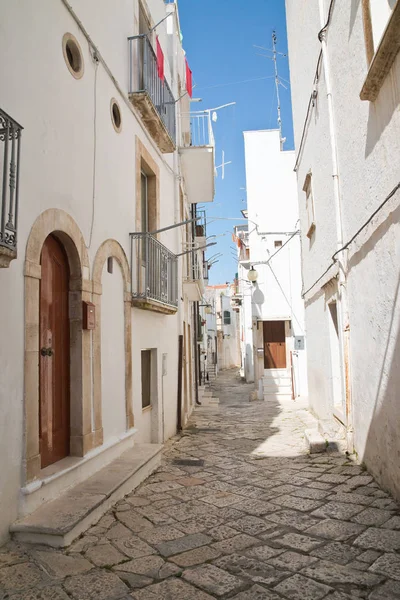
[{"x": 214, "y": 116}]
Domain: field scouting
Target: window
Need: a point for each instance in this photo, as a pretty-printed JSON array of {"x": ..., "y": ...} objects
[
  {"x": 227, "y": 317},
  {"x": 72, "y": 55},
  {"x": 309, "y": 206},
  {"x": 116, "y": 115},
  {"x": 146, "y": 378},
  {"x": 381, "y": 19},
  {"x": 278, "y": 243},
  {"x": 144, "y": 210}
]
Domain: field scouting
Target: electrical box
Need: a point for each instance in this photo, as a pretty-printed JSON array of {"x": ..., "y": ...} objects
[
  {"x": 299, "y": 342},
  {"x": 260, "y": 351},
  {"x": 88, "y": 315}
]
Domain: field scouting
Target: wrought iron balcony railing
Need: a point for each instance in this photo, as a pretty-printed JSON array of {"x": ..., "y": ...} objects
[
  {"x": 10, "y": 148},
  {"x": 144, "y": 79},
  {"x": 154, "y": 271}
]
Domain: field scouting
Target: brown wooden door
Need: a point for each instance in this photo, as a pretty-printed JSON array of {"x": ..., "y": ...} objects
[
  {"x": 54, "y": 354},
  {"x": 274, "y": 345}
]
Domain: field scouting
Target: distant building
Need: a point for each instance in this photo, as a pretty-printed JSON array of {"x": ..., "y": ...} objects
[
  {"x": 345, "y": 84},
  {"x": 272, "y": 330}
]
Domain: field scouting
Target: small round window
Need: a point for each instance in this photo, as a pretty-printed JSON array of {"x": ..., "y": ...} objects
[
  {"x": 116, "y": 115},
  {"x": 73, "y": 55}
]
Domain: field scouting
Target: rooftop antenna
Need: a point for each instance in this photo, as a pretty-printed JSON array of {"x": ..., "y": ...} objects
[{"x": 274, "y": 51}]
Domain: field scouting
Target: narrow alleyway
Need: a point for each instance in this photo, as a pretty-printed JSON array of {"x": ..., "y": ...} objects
[{"x": 237, "y": 510}]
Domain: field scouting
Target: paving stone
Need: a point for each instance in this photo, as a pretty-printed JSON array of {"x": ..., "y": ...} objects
[
  {"x": 156, "y": 516},
  {"x": 182, "y": 544},
  {"x": 390, "y": 590},
  {"x": 264, "y": 552},
  {"x": 213, "y": 580},
  {"x": 255, "y": 507},
  {"x": 387, "y": 564},
  {"x": 311, "y": 493},
  {"x": 134, "y": 547},
  {"x": 45, "y": 593},
  {"x": 302, "y": 504},
  {"x": 299, "y": 541},
  {"x": 385, "y": 503},
  {"x": 222, "y": 532},
  {"x": 222, "y": 499},
  {"x": 337, "y": 510},
  {"x": 171, "y": 589},
  {"x": 236, "y": 543},
  {"x": 372, "y": 516},
  {"x": 319, "y": 485},
  {"x": 292, "y": 561},
  {"x": 369, "y": 556},
  {"x": 332, "y": 573},
  {"x": 351, "y": 497},
  {"x": 12, "y": 554},
  {"x": 333, "y": 529},
  {"x": 251, "y": 525},
  {"x": 337, "y": 552},
  {"x": 251, "y": 569},
  {"x": 149, "y": 566},
  {"x": 95, "y": 585},
  {"x": 156, "y": 535},
  {"x": 292, "y": 518},
  {"x": 195, "y": 557},
  {"x": 298, "y": 587},
  {"x": 164, "y": 486},
  {"x": 83, "y": 543},
  {"x": 103, "y": 555},
  {"x": 198, "y": 524},
  {"x": 189, "y": 510},
  {"x": 61, "y": 565},
  {"x": 133, "y": 521},
  {"x": 333, "y": 478},
  {"x": 257, "y": 593},
  {"x": 134, "y": 581},
  {"x": 119, "y": 531},
  {"x": 379, "y": 539},
  {"x": 16, "y": 578}
]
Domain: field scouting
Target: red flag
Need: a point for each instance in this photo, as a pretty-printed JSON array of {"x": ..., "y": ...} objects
[
  {"x": 160, "y": 61},
  {"x": 189, "y": 84}
]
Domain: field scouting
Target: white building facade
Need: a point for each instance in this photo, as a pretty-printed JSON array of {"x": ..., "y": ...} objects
[
  {"x": 272, "y": 330},
  {"x": 345, "y": 84},
  {"x": 93, "y": 305}
]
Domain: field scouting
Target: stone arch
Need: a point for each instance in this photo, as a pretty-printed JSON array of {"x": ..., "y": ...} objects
[
  {"x": 111, "y": 248},
  {"x": 61, "y": 225}
]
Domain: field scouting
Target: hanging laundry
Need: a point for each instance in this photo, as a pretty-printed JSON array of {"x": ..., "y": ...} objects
[
  {"x": 189, "y": 84},
  {"x": 160, "y": 60}
]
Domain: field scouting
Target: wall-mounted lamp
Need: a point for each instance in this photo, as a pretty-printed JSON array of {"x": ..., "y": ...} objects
[{"x": 252, "y": 275}]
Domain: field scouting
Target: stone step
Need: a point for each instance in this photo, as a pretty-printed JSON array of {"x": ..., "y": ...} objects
[
  {"x": 59, "y": 522},
  {"x": 315, "y": 441}
]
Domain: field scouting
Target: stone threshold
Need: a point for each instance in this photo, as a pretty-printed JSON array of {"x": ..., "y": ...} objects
[{"x": 59, "y": 522}]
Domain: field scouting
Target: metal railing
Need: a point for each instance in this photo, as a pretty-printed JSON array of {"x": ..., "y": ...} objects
[
  {"x": 201, "y": 131},
  {"x": 143, "y": 77},
  {"x": 154, "y": 270},
  {"x": 10, "y": 149}
]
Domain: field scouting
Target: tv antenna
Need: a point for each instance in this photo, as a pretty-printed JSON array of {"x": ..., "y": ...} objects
[
  {"x": 222, "y": 165},
  {"x": 278, "y": 82}
]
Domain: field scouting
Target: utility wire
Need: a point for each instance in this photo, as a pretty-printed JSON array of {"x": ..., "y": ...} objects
[
  {"x": 284, "y": 295},
  {"x": 209, "y": 87},
  {"x": 351, "y": 240}
]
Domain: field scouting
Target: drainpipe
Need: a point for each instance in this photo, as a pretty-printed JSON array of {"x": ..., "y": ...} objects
[{"x": 342, "y": 256}]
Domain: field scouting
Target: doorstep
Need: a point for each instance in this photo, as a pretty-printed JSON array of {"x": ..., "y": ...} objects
[{"x": 59, "y": 522}]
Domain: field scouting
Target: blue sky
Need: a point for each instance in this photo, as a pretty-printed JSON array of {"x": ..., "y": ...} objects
[{"x": 219, "y": 38}]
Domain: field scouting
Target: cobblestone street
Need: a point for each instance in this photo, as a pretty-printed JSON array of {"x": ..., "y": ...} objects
[{"x": 238, "y": 510}]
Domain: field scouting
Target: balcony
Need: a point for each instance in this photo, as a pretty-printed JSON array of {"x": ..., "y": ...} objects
[
  {"x": 154, "y": 274},
  {"x": 197, "y": 160},
  {"x": 193, "y": 284},
  {"x": 150, "y": 94},
  {"x": 10, "y": 148}
]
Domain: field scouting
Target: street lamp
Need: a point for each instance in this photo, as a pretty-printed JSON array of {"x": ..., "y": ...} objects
[{"x": 252, "y": 275}]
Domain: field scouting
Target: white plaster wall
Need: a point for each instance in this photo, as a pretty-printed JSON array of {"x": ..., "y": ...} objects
[
  {"x": 368, "y": 147},
  {"x": 62, "y": 120},
  {"x": 113, "y": 354}
]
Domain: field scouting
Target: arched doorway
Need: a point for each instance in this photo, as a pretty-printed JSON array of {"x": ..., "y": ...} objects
[{"x": 54, "y": 355}]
